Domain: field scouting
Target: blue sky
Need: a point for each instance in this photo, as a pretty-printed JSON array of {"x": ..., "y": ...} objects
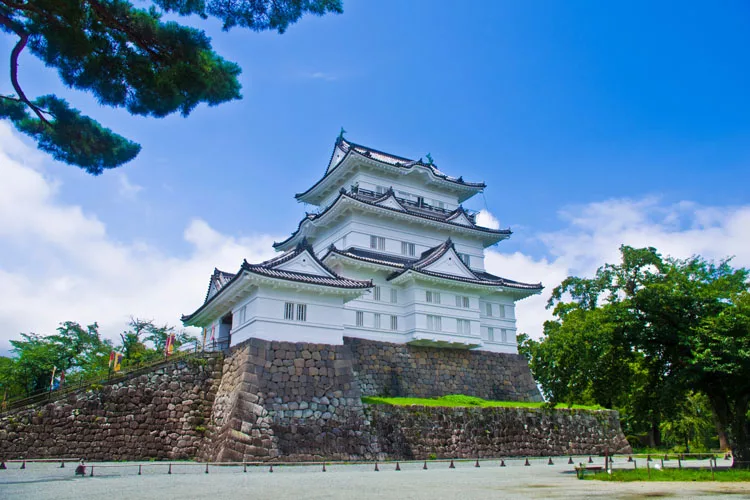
[{"x": 558, "y": 106}]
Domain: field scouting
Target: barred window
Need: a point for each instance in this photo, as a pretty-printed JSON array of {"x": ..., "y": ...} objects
[
  {"x": 376, "y": 293},
  {"x": 491, "y": 334},
  {"x": 241, "y": 315},
  {"x": 394, "y": 296},
  {"x": 289, "y": 311},
  {"x": 462, "y": 301},
  {"x": 394, "y": 322},
  {"x": 377, "y": 242},
  {"x": 504, "y": 335},
  {"x": 488, "y": 306},
  {"x": 434, "y": 323},
  {"x": 377, "y": 321},
  {"x": 502, "y": 311},
  {"x": 432, "y": 297},
  {"x": 301, "y": 312},
  {"x": 360, "y": 318},
  {"x": 407, "y": 249},
  {"x": 463, "y": 326}
]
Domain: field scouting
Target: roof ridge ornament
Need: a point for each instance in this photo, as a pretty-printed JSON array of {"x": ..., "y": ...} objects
[
  {"x": 341, "y": 135},
  {"x": 430, "y": 161}
]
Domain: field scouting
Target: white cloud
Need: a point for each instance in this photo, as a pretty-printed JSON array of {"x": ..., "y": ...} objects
[
  {"x": 127, "y": 189},
  {"x": 74, "y": 270},
  {"x": 592, "y": 234},
  {"x": 486, "y": 219}
]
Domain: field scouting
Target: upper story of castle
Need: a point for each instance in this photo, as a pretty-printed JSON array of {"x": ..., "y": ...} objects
[
  {"x": 371, "y": 200},
  {"x": 366, "y": 171}
]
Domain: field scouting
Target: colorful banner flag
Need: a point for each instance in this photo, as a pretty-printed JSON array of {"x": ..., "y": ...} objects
[
  {"x": 118, "y": 361},
  {"x": 52, "y": 379},
  {"x": 111, "y": 358},
  {"x": 170, "y": 344}
]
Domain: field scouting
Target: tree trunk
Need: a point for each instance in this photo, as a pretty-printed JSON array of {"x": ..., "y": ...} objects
[
  {"x": 721, "y": 430},
  {"x": 741, "y": 435}
]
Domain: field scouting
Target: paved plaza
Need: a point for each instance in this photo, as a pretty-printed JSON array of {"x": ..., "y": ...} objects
[{"x": 48, "y": 480}]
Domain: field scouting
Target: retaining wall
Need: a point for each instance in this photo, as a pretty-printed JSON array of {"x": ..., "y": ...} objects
[
  {"x": 162, "y": 414},
  {"x": 299, "y": 401},
  {"x": 385, "y": 369},
  {"x": 425, "y": 432}
]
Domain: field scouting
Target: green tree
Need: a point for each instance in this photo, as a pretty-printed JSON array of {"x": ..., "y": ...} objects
[
  {"x": 135, "y": 341},
  {"x": 692, "y": 424},
  {"x": 75, "y": 350},
  {"x": 126, "y": 57},
  {"x": 688, "y": 321}
]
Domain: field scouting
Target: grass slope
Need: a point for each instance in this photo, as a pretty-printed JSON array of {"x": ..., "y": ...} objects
[
  {"x": 459, "y": 400},
  {"x": 641, "y": 474}
]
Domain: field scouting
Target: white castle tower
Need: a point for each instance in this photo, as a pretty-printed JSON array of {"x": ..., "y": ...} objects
[{"x": 390, "y": 255}]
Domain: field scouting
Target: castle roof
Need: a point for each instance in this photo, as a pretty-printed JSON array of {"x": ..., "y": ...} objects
[
  {"x": 345, "y": 150},
  {"x": 297, "y": 266},
  {"x": 457, "y": 220},
  {"x": 429, "y": 265}
]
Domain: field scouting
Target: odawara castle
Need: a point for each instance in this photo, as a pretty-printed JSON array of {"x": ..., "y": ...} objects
[{"x": 389, "y": 255}]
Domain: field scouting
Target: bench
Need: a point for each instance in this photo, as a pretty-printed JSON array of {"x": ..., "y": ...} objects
[{"x": 581, "y": 470}]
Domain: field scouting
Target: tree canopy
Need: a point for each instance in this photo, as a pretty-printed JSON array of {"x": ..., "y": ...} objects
[
  {"x": 76, "y": 353},
  {"x": 130, "y": 58},
  {"x": 647, "y": 336}
]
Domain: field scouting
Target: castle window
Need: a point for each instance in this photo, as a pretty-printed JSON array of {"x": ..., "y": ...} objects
[
  {"x": 376, "y": 293},
  {"x": 502, "y": 311},
  {"x": 462, "y": 301},
  {"x": 289, "y": 311},
  {"x": 488, "y": 306},
  {"x": 241, "y": 314},
  {"x": 434, "y": 323},
  {"x": 504, "y": 335},
  {"x": 377, "y": 242},
  {"x": 491, "y": 334},
  {"x": 301, "y": 312},
  {"x": 394, "y": 295},
  {"x": 465, "y": 258},
  {"x": 360, "y": 318},
  {"x": 377, "y": 321},
  {"x": 407, "y": 249},
  {"x": 394, "y": 322},
  {"x": 380, "y": 189},
  {"x": 463, "y": 326},
  {"x": 432, "y": 297}
]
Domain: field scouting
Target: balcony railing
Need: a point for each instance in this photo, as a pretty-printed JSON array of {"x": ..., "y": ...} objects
[{"x": 418, "y": 205}]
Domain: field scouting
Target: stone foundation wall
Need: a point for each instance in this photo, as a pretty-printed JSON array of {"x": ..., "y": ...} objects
[
  {"x": 161, "y": 414},
  {"x": 385, "y": 369},
  {"x": 300, "y": 401},
  {"x": 420, "y": 432},
  {"x": 293, "y": 401}
]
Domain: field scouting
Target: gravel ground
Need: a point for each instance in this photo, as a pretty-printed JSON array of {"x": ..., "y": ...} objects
[{"x": 46, "y": 480}]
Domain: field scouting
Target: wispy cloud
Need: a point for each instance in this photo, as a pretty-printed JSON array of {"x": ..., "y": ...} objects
[
  {"x": 126, "y": 189},
  {"x": 321, "y": 75}
]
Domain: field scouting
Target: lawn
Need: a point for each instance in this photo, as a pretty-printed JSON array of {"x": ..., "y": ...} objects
[
  {"x": 642, "y": 474},
  {"x": 458, "y": 400}
]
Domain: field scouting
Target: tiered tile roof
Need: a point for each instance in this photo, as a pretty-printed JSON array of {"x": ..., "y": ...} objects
[
  {"x": 446, "y": 218},
  {"x": 349, "y": 148},
  {"x": 270, "y": 269},
  {"x": 419, "y": 264}
]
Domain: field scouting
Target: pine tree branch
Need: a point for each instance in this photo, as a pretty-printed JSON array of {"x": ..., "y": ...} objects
[
  {"x": 20, "y": 45},
  {"x": 111, "y": 21}
]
